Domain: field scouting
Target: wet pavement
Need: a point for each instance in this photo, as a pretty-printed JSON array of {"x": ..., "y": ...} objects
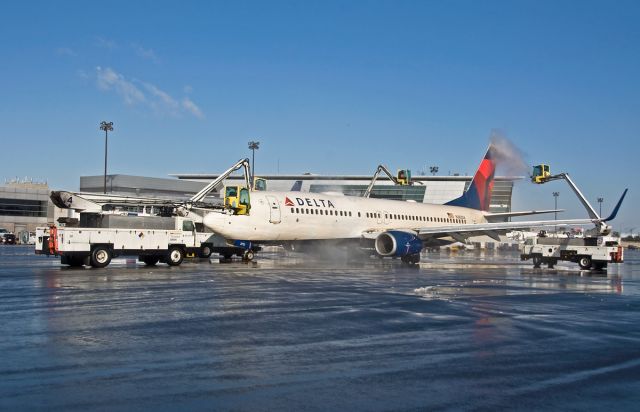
[{"x": 465, "y": 331}]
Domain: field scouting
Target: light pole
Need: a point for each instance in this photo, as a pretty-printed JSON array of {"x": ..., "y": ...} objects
[
  {"x": 253, "y": 146},
  {"x": 433, "y": 170},
  {"x": 600, "y": 200},
  {"x": 107, "y": 127},
  {"x": 555, "y": 197}
]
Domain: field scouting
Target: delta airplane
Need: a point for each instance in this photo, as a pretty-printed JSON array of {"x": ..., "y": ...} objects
[{"x": 392, "y": 228}]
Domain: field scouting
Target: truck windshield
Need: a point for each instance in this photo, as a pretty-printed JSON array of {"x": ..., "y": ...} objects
[
  {"x": 232, "y": 191},
  {"x": 537, "y": 170},
  {"x": 244, "y": 196}
]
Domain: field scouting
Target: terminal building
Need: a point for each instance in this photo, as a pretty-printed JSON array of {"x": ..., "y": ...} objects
[{"x": 24, "y": 205}]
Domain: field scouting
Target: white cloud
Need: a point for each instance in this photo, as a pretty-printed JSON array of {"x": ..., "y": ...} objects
[
  {"x": 65, "y": 51},
  {"x": 163, "y": 96},
  {"x": 108, "y": 79},
  {"x": 136, "y": 91},
  {"x": 105, "y": 43},
  {"x": 191, "y": 107},
  {"x": 144, "y": 53}
]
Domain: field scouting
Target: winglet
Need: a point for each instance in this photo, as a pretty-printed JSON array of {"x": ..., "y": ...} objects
[{"x": 615, "y": 209}]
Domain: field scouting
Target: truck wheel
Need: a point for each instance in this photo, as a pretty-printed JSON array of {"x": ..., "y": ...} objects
[
  {"x": 150, "y": 260},
  {"x": 584, "y": 262},
  {"x": 248, "y": 255},
  {"x": 100, "y": 256},
  {"x": 537, "y": 261},
  {"x": 75, "y": 261},
  {"x": 175, "y": 256},
  {"x": 205, "y": 252}
]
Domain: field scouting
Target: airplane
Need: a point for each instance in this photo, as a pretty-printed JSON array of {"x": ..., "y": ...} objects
[{"x": 390, "y": 228}]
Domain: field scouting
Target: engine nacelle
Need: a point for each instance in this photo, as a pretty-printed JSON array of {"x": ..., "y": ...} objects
[{"x": 397, "y": 243}]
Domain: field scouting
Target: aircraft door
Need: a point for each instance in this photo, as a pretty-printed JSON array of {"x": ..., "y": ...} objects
[{"x": 274, "y": 209}]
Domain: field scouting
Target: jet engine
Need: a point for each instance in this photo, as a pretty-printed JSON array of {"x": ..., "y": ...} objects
[{"x": 397, "y": 243}]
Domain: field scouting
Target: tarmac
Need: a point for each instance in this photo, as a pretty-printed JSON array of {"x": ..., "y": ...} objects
[{"x": 466, "y": 331}]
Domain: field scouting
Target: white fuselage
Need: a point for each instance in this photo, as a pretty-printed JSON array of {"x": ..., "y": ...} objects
[{"x": 293, "y": 216}]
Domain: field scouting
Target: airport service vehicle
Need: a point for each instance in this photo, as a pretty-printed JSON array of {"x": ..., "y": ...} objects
[
  {"x": 388, "y": 228},
  {"x": 3, "y": 232},
  {"x": 588, "y": 252},
  {"x": 152, "y": 238},
  {"x": 9, "y": 239}
]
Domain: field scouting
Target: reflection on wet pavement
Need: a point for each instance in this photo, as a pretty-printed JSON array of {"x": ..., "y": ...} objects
[{"x": 459, "y": 332}]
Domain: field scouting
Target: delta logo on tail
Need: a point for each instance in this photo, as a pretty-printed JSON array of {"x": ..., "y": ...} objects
[{"x": 478, "y": 196}]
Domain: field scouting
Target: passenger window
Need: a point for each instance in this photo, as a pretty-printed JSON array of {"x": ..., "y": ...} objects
[
  {"x": 358, "y": 214},
  {"x": 292, "y": 210}
]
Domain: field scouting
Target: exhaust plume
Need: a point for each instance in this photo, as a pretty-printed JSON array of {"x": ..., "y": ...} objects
[{"x": 509, "y": 158}]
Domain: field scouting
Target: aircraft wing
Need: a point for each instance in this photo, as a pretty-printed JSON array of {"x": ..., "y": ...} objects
[
  {"x": 459, "y": 232},
  {"x": 502, "y": 215},
  {"x": 493, "y": 230}
]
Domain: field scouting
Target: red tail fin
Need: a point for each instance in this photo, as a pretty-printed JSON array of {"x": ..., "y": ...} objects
[{"x": 478, "y": 196}]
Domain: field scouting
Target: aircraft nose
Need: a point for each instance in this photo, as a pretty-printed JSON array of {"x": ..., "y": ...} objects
[{"x": 214, "y": 221}]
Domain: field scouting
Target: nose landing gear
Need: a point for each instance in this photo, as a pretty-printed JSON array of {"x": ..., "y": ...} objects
[{"x": 248, "y": 255}]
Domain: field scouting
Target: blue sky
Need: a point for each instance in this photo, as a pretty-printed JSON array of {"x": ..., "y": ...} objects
[{"x": 326, "y": 87}]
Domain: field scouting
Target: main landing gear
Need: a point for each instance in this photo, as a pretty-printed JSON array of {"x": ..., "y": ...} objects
[{"x": 411, "y": 260}]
